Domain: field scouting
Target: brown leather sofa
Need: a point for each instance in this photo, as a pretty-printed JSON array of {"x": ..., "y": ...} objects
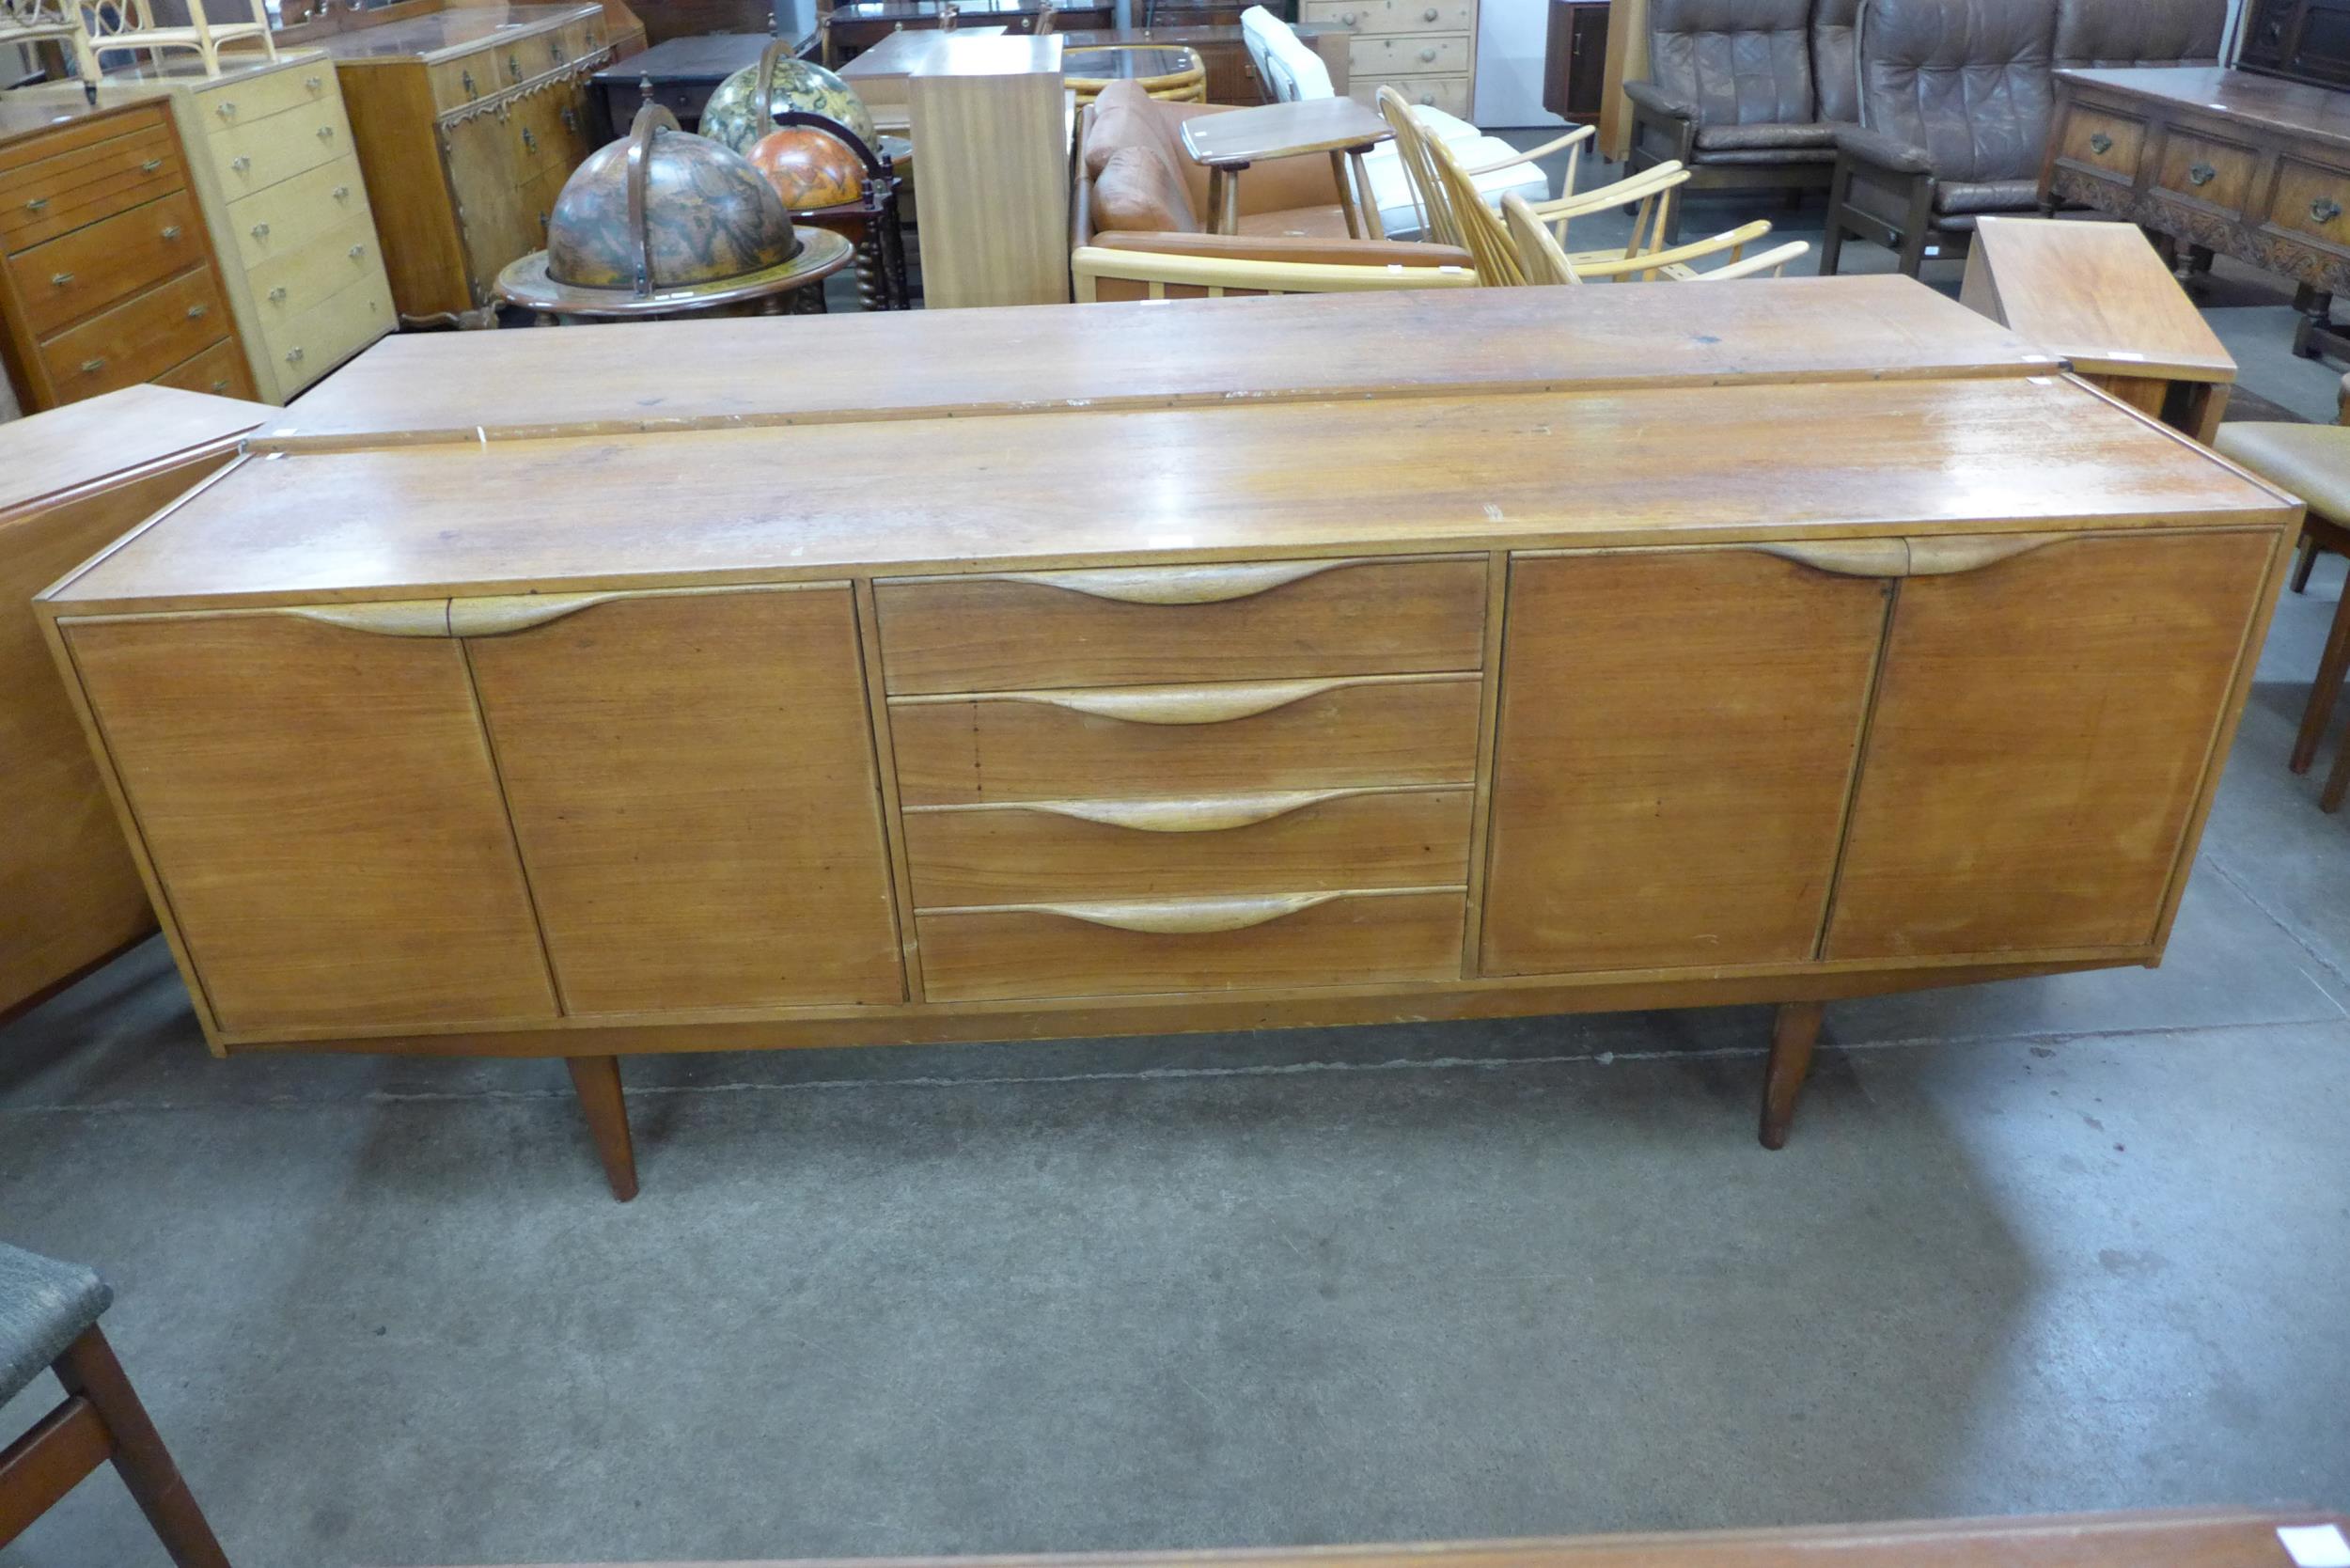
[
  {"x": 1955, "y": 104},
  {"x": 1134, "y": 190},
  {"x": 1748, "y": 94}
]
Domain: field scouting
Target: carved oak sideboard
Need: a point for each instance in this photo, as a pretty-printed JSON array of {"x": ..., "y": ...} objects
[{"x": 1460, "y": 699}]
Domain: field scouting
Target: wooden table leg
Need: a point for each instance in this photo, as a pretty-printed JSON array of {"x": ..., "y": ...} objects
[
  {"x": 1224, "y": 194},
  {"x": 598, "y": 1081},
  {"x": 1794, "y": 1033},
  {"x": 89, "y": 1368},
  {"x": 1346, "y": 196},
  {"x": 2337, "y": 782},
  {"x": 1373, "y": 225},
  {"x": 2333, "y": 666}
]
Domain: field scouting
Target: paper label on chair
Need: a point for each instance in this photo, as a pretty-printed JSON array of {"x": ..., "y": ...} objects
[{"x": 2315, "y": 1546}]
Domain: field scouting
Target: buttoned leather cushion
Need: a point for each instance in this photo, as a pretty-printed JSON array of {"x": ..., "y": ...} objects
[
  {"x": 2310, "y": 461},
  {"x": 44, "y": 1306},
  {"x": 1739, "y": 62},
  {"x": 1966, "y": 80},
  {"x": 1835, "y": 69},
  {"x": 2109, "y": 34},
  {"x": 1139, "y": 191}
]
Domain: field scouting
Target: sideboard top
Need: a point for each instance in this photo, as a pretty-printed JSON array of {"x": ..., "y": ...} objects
[
  {"x": 486, "y": 385},
  {"x": 1382, "y": 476},
  {"x": 87, "y": 443},
  {"x": 2244, "y": 95}
]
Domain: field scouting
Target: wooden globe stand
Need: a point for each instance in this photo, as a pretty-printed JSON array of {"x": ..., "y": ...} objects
[{"x": 871, "y": 223}]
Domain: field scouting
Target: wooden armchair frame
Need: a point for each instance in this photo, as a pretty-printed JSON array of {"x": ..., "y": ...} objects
[
  {"x": 1546, "y": 262},
  {"x": 131, "y": 25},
  {"x": 1217, "y": 277},
  {"x": 59, "y": 22}
]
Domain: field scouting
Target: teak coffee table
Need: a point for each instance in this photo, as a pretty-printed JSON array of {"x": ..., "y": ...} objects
[{"x": 1228, "y": 144}]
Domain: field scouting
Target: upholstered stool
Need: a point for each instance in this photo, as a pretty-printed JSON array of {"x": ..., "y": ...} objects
[
  {"x": 49, "y": 1318},
  {"x": 2314, "y": 463}
]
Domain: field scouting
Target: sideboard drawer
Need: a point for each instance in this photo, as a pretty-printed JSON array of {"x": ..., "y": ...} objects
[
  {"x": 1295, "y": 841},
  {"x": 2213, "y": 173},
  {"x": 1408, "y": 54},
  {"x": 254, "y": 157},
  {"x": 54, "y": 196},
  {"x": 1176, "y": 623},
  {"x": 138, "y": 338},
  {"x": 1106, "y": 948},
  {"x": 467, "y": 79},
  {"x": 1119, "y": 743},
  {"x": 329, "y": 332},
  {"x": 1449, "y": 93},
  {"x": 291, "y": 215},
  {"x": 286, "y": 286},
  {"x": 1393, "y": 16},
  {"x": 2103, "y": 143},
  {"x": 235, "y": 103},
  {"x": 91, "y": 268},
  {"x": 2314, "y": 201}
]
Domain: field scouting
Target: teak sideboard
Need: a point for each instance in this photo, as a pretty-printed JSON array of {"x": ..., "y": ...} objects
[{"x": 1462, "y": 700}]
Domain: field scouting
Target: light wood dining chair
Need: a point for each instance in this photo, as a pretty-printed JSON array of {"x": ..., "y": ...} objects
[{"x": 1544, "y": 261}]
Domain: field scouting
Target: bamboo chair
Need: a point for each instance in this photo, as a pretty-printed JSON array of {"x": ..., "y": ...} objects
[
  {"x": 1186, "y": 86},
  {"x": 57, "y": 22},
  {"x": 1454, "y": 211},
  {"x": 131, "y": 24},
  {"x": 1546, "y": 262}
]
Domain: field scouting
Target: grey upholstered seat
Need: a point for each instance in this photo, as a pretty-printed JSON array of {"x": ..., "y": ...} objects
[{"x": 44, "y": 1306}]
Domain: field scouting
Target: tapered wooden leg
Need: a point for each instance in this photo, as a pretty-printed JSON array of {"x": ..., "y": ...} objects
[
  {"x": 2303, "y": 562},
  {"x": 2337, "y": 782},
  {"x": 2333, "y": 666},
  {"x": 88, "y": 1368},
  {"x": 598, "y": 1081},
  {"x": 1794, "y": 1033}
]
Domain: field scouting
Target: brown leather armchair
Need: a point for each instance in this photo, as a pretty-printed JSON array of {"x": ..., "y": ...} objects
[
  {"x": 1956, "y": 98},
  {"x": 1748, "y": 94}
]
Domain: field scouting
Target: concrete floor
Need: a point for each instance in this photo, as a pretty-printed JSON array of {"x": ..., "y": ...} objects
[{"x": 2074, "y": 1243}]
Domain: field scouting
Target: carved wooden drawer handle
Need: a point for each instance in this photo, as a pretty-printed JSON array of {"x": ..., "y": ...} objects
[
  {"x": 1908, "y": 558},
  {"x": 1178, "y": 584},
  {"x": 391, "y": 618},
  {"x": 2325, "y": 209},
  {"x": 1944, "y": 558},
  {"x": 1206, "y": 814},
  {"x": 1182, "y": 704},
  {"x": 1183, "y": 917},
  {"x": 2201, "y": 174}
]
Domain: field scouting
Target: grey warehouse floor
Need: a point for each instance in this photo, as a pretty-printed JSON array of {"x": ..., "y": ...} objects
[{"x": 2066, "y": 1244}]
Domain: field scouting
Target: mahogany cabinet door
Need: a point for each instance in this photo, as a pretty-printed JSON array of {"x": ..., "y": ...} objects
[
  {"x": 2043, "y": 730},
  {"x": 1678, "y": 730},
  {"x": 320, "y": 811},
  {"x": 693, "y": 784}
]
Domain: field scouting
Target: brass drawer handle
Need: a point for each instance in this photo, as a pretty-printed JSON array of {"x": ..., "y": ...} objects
[
  {"x": 554, "y": 52},
  {"x": 37, "y": 204},
  {"x": 60, "y": 279},
  {"x": 293, "y": 357},
  {"x": 91, "y": 366},
  {"x": 261, "y": 231},
  {"x": 530, "y": 142},
  {"x": 571, "y": 122},
  {"x": 326, "y": 133},
  {"x": 341, "y": 193},
  {"x": 150, "y": 165},
  {"x": 2201, "y": 174},
  {"x": 466, "y": 78},
  {"x": 197, "y": 312},
  {"x": 240, "y": 162},
  {"x": 2325, "y": 209},
  {"x": 278, "y": 295},
  {"x": 170, "y": 232},
  {"x": 2101, "y": 144},
  {"x": 514, "y": 67}
]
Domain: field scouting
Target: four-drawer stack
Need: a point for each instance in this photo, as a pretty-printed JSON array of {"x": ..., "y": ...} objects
[
  {"x": 1426, "y": 50},
  {"x": 109, "y": 280},
  {"x": 1173, "y": 778}
]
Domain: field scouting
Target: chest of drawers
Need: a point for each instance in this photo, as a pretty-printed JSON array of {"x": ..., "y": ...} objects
[
  {"x": 273, "y": 168},
  {"x": 467, "y": 122},
  {"x": 109, "y": 278},
  {"x": 614, "y": 746},
  {"x": 1424, "y": 49}
]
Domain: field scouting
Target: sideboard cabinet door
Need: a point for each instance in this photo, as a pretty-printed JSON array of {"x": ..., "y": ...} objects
[
  {"x": 2042, "y": 733},
  {"x": 693, "y": 784},
  {"x": 1678, "y": 734},
  {"x": 320, "y": 808}
]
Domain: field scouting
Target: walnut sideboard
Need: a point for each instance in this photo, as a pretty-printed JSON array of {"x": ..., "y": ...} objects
[{"x": 1470, "y": 699}]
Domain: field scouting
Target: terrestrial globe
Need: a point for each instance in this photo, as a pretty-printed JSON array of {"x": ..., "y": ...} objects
[
  {"x": 704, "y": 215},
  {"x": 810, "y": 167},
  {"x": 733, "y": 115}
]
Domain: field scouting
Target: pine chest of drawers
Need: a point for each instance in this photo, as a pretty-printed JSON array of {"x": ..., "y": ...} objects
[
  {"x": 482, "y": 711},
  {"x": 274, "y": 168},
  {"x": 468, "y": 121},
  {"x": 1424, "y": 49},
  {"x": 109, "y": 278}
]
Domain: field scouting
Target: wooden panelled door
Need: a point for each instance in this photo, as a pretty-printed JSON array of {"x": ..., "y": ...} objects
[
  {"x": 1677, "y": 742},
  {"x": 343, "y": 852}
]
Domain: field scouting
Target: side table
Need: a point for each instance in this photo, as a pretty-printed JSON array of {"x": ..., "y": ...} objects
[{"x": 1228, "y": 144}]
